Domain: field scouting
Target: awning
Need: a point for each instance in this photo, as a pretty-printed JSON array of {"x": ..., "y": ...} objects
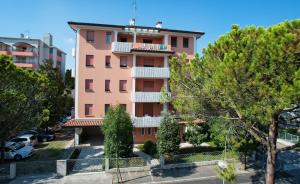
[{"x": 83, "y": 123}]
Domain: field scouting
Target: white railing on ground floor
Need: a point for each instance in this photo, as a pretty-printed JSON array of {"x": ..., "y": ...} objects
[{"x": 146, "y": 121}]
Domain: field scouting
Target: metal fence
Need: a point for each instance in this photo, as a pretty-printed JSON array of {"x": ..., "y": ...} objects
[
  {"x": 85, "y": 165},
  {"x": 289, "y": 137},
  {"x": 35, "y": 167},
  {"x": 198, "y": 157},
  {"x": 127, "y": 162},
  {"x": 4, "y": 170}
]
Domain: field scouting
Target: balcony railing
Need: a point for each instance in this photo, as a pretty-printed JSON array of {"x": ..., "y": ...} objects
[
  {"x": 129, "y": 46},
  {"x": 145, "y": 96},
  {"x": 150, "y": 72},
  {"x": 146, "y": 121}
]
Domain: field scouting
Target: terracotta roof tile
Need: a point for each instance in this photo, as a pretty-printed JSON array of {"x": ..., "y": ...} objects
[{"x": 83, "y": 122}]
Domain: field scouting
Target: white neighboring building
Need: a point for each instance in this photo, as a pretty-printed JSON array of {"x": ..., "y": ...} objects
[{"x": 30, "y": 53}]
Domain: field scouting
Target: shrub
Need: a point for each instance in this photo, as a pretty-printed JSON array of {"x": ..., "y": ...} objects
[{"x": 150, "y": 148}]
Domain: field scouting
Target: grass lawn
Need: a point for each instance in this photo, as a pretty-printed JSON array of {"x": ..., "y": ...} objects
[{"x": 52, "y": 150}]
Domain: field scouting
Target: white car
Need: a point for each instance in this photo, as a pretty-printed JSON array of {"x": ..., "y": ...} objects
[
  {"x": 28, "y": 140},
  {"x": 18, "y": 151}
]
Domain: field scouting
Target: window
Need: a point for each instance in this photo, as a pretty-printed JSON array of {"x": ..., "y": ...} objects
[
  {"x": 147, "y": 41},
  {"x": 89, "y": 60},
  {"x": 88, "y": 85},
  {"x": 107, "y": 85},
  {"x": 88, "y": 109},
  {"x": 107, "y": 62},
  {"x": 149, "y": 131},
  {"x": 90, "y": 36},
  {"x": 108, "y": 38},
  {"x": 142, "y": 131},
  {"x": 148, "y": 86},
  {"x": 173, "y": 41},
  {"x": 122, "y": 85},
  {"x": 123, "y": 40},
  {"x": 123, "y": 61},
  {"x": 185, "y": 42},
  {"x": 154, "y": 131},
  {"x": 148, "y": 63},
  {"x": 106, "y": 108},
  {"x": 123, "y": 106}
]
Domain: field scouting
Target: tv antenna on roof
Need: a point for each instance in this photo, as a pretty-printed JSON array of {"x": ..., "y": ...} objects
[{"x": 132, "y": 20}]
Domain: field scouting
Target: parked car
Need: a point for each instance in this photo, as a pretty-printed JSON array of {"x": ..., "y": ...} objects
[
  {"x": 18, "y": 151},
  {"x": 28, "y": 140},
  {"x": 46, "y": 136},
  {"x": 25, "y": 132}
]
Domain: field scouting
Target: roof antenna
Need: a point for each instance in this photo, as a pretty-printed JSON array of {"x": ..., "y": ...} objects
[{"x": 132, "y": 20}]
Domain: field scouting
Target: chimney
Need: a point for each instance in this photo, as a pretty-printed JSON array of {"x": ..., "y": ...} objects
[
  {"x": 48, "y": 39},
  {"x": 158, "y": 24},
  {"x": 132, "y": 22}
]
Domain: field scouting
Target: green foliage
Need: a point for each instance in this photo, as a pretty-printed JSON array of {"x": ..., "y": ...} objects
[
  {"x": 117, "y": 129},
  {"x": 227, "y": 174},
  {"x": 150, "y": 148},
  {"x": 168, "y": 139},
  {"x": 197, "y": 134},
  {"x": 22, "y": 98},
  {"x": 69, "y": 80},
  {"x": 57, "y": 102},
  {"x": 164, "y": 96}
]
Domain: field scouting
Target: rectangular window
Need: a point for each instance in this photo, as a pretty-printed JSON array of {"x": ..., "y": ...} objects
[
  {"x": 106, "y": 108},
  {"x": 173, "y": 41},
  {"x": 88, "y": 109},
  {"x": 123, "y": 61},
  {"x": 108, "y": 38},
  {"x": 88, "y": 85},
  {"x": 90, "y": 36},
  {"x": 122, "y": 85},
  {"x": 148, "y": 86},
  {"x": 147, "y": 41},
  {"x": 107, "y": 85},
  {"x": 123, "y": 106},
  {"x": 149, "y": 131},
  {"x": 185, "y": 42},
  {"x": 123, "y": 39},
  {"x": 142, "y": 131},
  {"x": 89, "y": 60},
  {"x": 107, "y": 62},
  {"x": 154, "y": 131}
]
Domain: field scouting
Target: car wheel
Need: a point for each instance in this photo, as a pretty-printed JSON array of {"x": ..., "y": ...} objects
[
  {"x": 44, "y": 139},
  {"x": 18, "y": 157}
]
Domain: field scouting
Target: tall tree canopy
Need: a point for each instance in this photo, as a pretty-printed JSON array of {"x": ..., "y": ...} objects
[
  {"x": 250, "y": 74},
  {"x": 21, "y": 98}
]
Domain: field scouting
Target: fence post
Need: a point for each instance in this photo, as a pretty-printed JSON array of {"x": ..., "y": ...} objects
[
  {"x": 12, "y": 170},
  {"x": 106, "y": 164},
  {"x": 162, "y": 161},
  {"x": 61, "y": 167}
]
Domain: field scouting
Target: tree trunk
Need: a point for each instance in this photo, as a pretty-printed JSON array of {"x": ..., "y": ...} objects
[
  {"x": 271, "y": 150},
  {"x": 244, "y": 166}
]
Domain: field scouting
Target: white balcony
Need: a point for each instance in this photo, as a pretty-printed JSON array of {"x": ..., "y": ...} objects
[
  {"x": 146, "y": 121},
  {"x": 150, "y": 72},
  {"x": 129, "y": 46},
  {"x": 121, "y": 46},
  {"x": 145, "y": 96}
]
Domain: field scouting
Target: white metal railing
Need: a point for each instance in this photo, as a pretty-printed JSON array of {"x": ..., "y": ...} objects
[
  {"x": 150, "y": 72},
  {"x": 146, "y": 121},
  {"x": 121, "y": 46},
  {"x": 289, "y": 137},
  {"x": 145, "y": 96}
]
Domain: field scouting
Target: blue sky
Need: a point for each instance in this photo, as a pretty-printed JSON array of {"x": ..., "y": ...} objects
[{"x": 210, "y": 16}]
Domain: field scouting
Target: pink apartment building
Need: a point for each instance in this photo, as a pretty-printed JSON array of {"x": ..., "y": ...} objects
[{"x": 125, "y": 65}]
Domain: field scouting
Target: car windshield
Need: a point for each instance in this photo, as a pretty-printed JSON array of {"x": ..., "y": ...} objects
[{"x": 17, "y": 146}]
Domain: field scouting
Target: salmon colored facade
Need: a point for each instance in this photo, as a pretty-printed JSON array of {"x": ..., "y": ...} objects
[{"x": 125, "y": 65}]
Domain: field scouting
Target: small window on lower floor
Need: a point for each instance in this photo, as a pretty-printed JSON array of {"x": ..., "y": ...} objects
[
  {"x": 149, "y": 131},
  {"x": 123, "y": 106},
  {"x": 88, "y": 109},
  {"x": 142, "y": 131},
  {"x": 106, "y": 108}
]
